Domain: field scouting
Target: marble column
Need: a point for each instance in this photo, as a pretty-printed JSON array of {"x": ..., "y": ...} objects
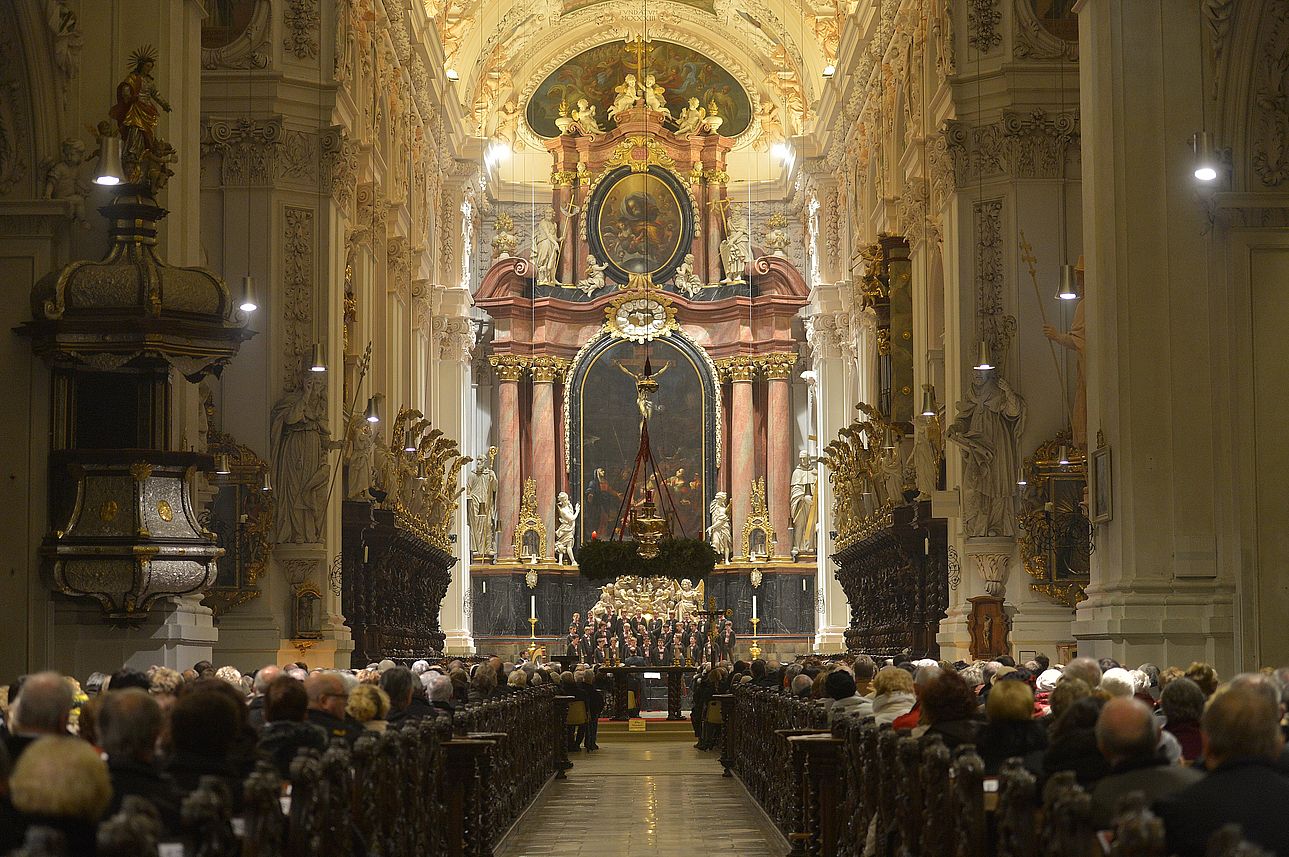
[
  {"x": 509, "y": 369},
  {"x": 451, "y": 405},
  {"x": 542, "y": 428},
  {"x": 742, "y": 443},
  {"x": 778, "y": 447}
]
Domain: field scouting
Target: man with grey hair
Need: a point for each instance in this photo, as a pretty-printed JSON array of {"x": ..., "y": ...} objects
[
  {"x": 129, "y": 723},
  {"x": 328, "y": 697},
  {"x": 1128, "y": 736},
  {"x": 801, "y": 686},
  {"x": 43, "y": 707},
  {"x": 438, "y": 688},
  {"x": 1245, "y": 786},
  {"x": 1086, "y": 669},
  {"x": 255, "y": 709}
]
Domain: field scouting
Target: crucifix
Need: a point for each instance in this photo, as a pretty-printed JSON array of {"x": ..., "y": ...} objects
[{"x": 639, "y": 46}]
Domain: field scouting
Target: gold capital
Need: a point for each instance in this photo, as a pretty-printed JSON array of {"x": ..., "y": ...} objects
[{"x": 509, "y": 367}]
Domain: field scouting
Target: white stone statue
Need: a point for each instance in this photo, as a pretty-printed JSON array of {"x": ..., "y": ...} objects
[
  {"x": 691, "y": 119},
  {"x": 892, "y": 474},
  {"x": 687, "y": 282},
  {"x": 546, "y": 247},
  {"x": 481, "y": 498},
  {"x": 567, "y": 514},
  {"x": 801, "y": 503},
  {"x": 687, "y": 602},
  {"x": 584, "y": 116},
  {"x": 1074, "y": 340},
  {"x": 928, "y": 446},
  {"x": 628, "y": 93},
  {"x": 988, "y": 428},
  {"x": 734, "y": 248},
  {"x": 63, "y": 180},
  {"x": 594, "y": 280},
  {"x": 655, "y": 96},
  {"x": 719, "y": 532},
  {"x": 361, "y": 458},
  {"x": 301, "y": 472}
]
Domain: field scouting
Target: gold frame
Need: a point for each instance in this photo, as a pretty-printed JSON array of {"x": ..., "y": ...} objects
[
  {"x": 758, "y": 518},
  {"x": 529, "y": 522},
  {"x": 652, "y": 293},
  {"x": 1096, "y": 512},
  {"x": 1043, "y": 472}
]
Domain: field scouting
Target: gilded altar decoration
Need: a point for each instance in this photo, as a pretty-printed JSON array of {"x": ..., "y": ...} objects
[
  {"x": 640, "y": 315},
  {"x": 504, "y": 241},
  {"x": 529, "y": 539},
  {"x": 137, "y": 111},
  {"x": 1055, "y": 533},
  {"x": 418, "y": 475},
  {"x": 867, "y": 476},
  {"x": 776, "y": 237},
  {"x": 659, "y": 597},
  {"x": 241, "y": 517},
  {"x": 758, "y": 532}
]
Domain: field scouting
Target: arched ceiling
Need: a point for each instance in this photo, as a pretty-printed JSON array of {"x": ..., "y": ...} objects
[{"x": 502, "y": 49}]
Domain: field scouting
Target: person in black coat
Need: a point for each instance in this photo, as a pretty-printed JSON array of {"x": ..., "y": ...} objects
[
  {"x": 1011, "y": 729},
  {"x": 588, "y": 692},
  {"x": 1072, "y": 743},
  {"x": 328, "y": 698},
  {"x": 204, "y": 727},
  {"x": 129, "y": 722},
  {"x": 285, "y": 731},
  {"x": 1244, "y": 786}
]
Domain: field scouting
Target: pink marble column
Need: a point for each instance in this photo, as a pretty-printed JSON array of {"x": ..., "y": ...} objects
[
  {"x": 509, "y": 369},
  {"x": 542, "y": 429},
  {"x": 778, "y": 447},
  {"x": 742, "y": 443}
]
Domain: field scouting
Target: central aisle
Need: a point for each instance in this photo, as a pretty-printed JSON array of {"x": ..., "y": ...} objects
[{"x": 643, "y": 797}]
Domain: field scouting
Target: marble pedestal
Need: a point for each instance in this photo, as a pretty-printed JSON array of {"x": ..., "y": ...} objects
[{"x": 178, "y": 633}]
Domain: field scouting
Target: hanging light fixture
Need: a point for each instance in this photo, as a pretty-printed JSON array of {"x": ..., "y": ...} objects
[
  {"x": 266, "y": 483},
  {"x": 1064, "y": 460},
  {"x": 928, "y": 400},
  {"x": 408, "y": 445},
  {"x": 1069, "y": 288},
  {"x": 1205, "y": 157},
  {"x": 109, "y": 171},
  {"x": 983, "y": 362},
  {"x": 249, "y": 302},
  {"x": 1021, "y": 481},
  {"x": 318, "y": 362},
  {"x": 452, "y": 75},
  {"x": 373, "y": 408},
  {"x": 829, "y": 70},
  {"x": 888, "y": 439},
  {"x": 222, "y": 467}
]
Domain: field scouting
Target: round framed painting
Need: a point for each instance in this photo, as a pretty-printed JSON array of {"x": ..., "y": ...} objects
[{"x": 640, "y": 223}]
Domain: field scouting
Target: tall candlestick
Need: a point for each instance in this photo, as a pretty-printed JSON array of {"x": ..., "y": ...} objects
[
  {"x": 753, "y": 606},
  {"x": 532, "y": 613}
]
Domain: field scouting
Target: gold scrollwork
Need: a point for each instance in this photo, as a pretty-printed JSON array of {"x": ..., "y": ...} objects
[
  {"x": 530, "y": 523},
  {"x": 758, "y": 522},
  {"x": 1055, "y": 534}
]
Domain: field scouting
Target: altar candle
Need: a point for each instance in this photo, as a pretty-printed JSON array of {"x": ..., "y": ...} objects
[
  {"x": 753, "y": 606},
  {"x": 532, "y": 614}
]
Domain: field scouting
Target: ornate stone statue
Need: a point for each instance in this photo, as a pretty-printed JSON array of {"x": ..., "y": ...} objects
[
  {"x": 801, "y": 504},
  {"x": 546, "y": 247},
  {"x": 481, "y": 496},
  {"x": 928, "y": 447},
  {"x": 691, "y": 119},
  {"x": 988, "y": 428},
  {"x": 567, "y": 514},
  {"x": 687, "y": 282},
  {"x": 628, "y": 93},
  {"x": 584, "y": 116},
  {"x": 719, "y": 532},
  {"x": 687, "y": 599},
  {"x": 508, "y": 124},
  {"x": 777, "y": 238},
  {"x": 136, "y": 112},
  {"x": 655, "y": 96},
  {"x": 1073, "y": 339},
  {"x": 594, "y": 280},
  {"x": 63, "y": 180},
  {"x": 301, "y": 473},
  {"x": 734, "y": 248},
  {"x": 504, "y": 241},
  {"x": 361, "y": 458}
]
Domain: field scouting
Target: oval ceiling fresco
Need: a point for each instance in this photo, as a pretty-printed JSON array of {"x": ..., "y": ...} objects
[{"x": 681, "y": 71}]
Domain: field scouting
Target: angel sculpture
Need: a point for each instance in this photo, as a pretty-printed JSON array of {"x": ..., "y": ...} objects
[
  {"x": 584, "y": 116},
  {"x": 628, "y": 93},
  {"x": 691, "y": 119},
  {"x": 654, "y": 96},
  {"x": 567, "y": 514},
  {"x": 594, "y": 280},
  {"x": 687, "y": 282}
]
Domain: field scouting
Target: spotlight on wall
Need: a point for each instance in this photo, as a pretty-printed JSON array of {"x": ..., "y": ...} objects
[
  {"x": 1205, "y": 157},
  {"x": 109, "y": 171},
  {"x": 222, "y": 467},
  {"x": 829, "y": 70},
  {"x": 373, "y": 408},
  {"x": 1069, "y": 287},
  {"x": 249, "y": 302},
  {"x": 452, "y": 75},
  {"x": 318, "y": 359},
  {"x": 983, "y": 362}
]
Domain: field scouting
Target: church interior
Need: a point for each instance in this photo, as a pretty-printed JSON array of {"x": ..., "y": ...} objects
[{"x": 673, "y": 368}]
